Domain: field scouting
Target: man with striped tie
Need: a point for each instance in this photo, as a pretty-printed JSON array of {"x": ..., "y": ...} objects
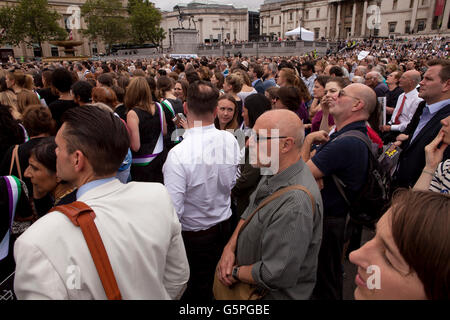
[{"x": 406, "y": 106}]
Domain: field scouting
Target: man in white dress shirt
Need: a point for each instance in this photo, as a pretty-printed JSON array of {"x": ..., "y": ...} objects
[
  {"x": 136, "y": 221},
  {"x": 407, "y": 104},
  {"x": 199, "y": 174}
]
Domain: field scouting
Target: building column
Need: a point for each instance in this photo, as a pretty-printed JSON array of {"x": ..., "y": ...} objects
[
  {"x": 353, "y": 19},
  {"x": 430, "y": 16},
  {"x": 414, "y": 15},
  {"x": 338, "y": 20},
  {"x": 282, "y": 25},
  {"x": 364, "y": 20},
  {"x": 327, "y": 35},
  {"x": 445, "y": 18}
]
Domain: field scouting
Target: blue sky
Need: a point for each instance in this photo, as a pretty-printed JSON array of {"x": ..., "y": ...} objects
[{"x": 169, "y": 4}]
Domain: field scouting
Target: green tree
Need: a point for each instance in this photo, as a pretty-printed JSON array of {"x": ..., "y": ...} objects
[
  {"x": 31, "y": 21},
  {"x": 145, "y": 22},
  {"x": 106, "y": 20}
]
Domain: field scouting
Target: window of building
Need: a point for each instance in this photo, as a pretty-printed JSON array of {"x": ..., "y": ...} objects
[
  {"x": 376, "y": 32},
  {"x": 392, "y": 26},
  {"x": 420, "y": 25},
  {"x": 434, "y": 23},
  {"x": 318, "y": 13},
  {"x": 271, "y": 20},
  {"x": 290, "y": 16},
  {"x": 54, "y": 51},
  {"x": 411, "y": 4},
  {"x": 94, "y": 48},
  {"x": 424, "y": 2},
  {"x": 279, "y": 19},
  {"x": 307, "y": 15},
  {"x": 407, "y": 27},
  {"x": 316, "y": 33},
  {"x": 394, "y": 5},
  {"x": 37, "y": 50}
]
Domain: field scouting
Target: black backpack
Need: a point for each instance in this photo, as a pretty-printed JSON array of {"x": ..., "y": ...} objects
[{"x": 373, "y": 199}]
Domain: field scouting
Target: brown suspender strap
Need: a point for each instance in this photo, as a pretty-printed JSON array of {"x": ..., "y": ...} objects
[
  {"x": 81, "y": 215},
  {"x": 275, "y": 195}
]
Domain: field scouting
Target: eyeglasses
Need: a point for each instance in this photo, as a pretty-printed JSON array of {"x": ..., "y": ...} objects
[
  {"x": 259, "y": 138},
  {"x": 343, "y": 94}
]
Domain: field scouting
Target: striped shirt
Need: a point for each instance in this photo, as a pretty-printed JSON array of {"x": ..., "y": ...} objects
[{"x": 441, "y": 179}]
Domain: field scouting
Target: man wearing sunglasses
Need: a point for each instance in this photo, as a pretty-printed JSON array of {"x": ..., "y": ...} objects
[
  {"x": 278, "y": 248},
  {"x": 348, "y": 159}
]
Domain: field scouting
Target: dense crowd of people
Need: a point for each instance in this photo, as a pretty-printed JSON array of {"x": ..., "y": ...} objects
[{"x": 228, "y": 169}]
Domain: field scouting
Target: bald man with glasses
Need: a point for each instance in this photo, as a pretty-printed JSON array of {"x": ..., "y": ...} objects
[{"x": 278, "y": 249}]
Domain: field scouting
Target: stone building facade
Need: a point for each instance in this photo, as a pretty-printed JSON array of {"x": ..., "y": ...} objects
[
  {"x": 344, "y": 19},
  {"x": 214, "y": 22}
]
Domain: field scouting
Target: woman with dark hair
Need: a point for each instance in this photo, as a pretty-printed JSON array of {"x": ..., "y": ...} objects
[
  {"x": 217, "y": 80},
  {"x": 48, "y": 189},
  {"x": 272, "y": 94},
  {"x": 171, "y": 106},
  {"x": 147, "y": 126},
  {"x": 289, "y": 98},
  {"x": 318, "y": 92},
  {"x": 61, "y": 83},
  {"x": 38, "y": 123},
  {"x": 248, "y": 176},
  {"x": 332, "y": 88},
  {"x": 180, "y": 90},
  {"x": 411, "y": 250},
  {"x": 255, "y": 105},
  {"x": 11, "y": 133},
  {"x": 227, "y": 113}
]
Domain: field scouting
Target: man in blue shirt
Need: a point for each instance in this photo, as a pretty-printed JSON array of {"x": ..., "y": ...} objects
[
  {"x": 348, "y": 159},
  {"x": 425, "y": 124},
  {"x": 270, "y": 71}
]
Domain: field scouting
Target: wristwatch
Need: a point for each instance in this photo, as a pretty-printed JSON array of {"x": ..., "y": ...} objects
[{"x": 235, "y": 271}]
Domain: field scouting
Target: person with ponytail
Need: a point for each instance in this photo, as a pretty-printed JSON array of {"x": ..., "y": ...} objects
[{"x": 147, "y": 126}]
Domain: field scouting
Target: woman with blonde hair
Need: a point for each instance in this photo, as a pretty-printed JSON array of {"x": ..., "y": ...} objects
[
  {"x": 147, "y": 126},
  {"x": 26, "y": 98},
  {"x": 247, "y": 88},
  {"x": 8, "y": 98},
  {"x": 16, "y": 80}
]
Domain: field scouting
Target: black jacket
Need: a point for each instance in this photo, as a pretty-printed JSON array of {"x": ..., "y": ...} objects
[{"x": 412, "y": 158}]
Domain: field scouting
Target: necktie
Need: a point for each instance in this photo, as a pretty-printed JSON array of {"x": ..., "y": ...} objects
[{"x": 397, "y": 117}]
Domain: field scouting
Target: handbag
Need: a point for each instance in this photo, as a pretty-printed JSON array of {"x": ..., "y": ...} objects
[
  {"x": 242, "y": 290},
  {"x": 81, "y": 215}
]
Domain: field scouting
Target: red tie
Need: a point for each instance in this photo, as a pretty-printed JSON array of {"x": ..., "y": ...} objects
[{"x": 396, "y": 121}]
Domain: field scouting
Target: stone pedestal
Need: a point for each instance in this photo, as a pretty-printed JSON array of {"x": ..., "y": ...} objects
[{"x": 185, "y": 41}]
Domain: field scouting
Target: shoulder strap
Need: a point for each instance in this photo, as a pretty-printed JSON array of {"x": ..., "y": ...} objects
[
  {"x": 278, "y": 194},
  {"x": 359, "y": 135},
  {"x": 169, "y": 107},
  {"x": 15, "y": 158},
  {"x": 81, "y": 215}
]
